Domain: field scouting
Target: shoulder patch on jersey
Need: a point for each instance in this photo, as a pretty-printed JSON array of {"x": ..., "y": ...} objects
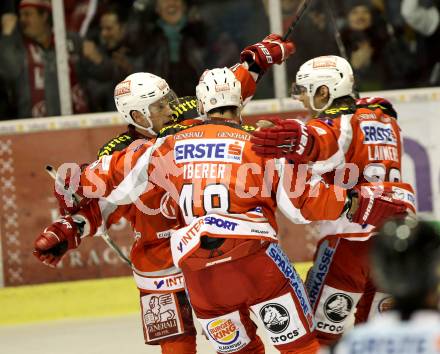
[
  {"x": 248, "y": 128},
  {"x": 184, "y": 108},
  {"x": 375, "y": 103},
  {"x": 334, "y": 112},
  {"x": 116, "y": 144},
  {"x": 173, "y": 129}
]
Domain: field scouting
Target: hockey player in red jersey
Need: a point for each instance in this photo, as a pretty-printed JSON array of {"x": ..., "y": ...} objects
[
  {"x": 159, "y": 282},
  {"x": 226, "y": 199},
  {"x": 405, "y": 259},
  {"x": 360, "y": 138}
]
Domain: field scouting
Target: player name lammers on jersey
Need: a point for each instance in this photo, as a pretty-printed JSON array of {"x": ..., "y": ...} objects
[
  {"x": 198, "y": 150},
  {"x": 381, "y": 141}
]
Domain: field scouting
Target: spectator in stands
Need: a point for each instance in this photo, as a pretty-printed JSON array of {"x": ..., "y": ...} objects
[
  {"x": 364, "y": 41},
  {"x": 176, "y": 46},
  {"x": 116, "y": 53},
  {"x": 79, "y": 14},
  {"x": 28, "y": 61},
  {"x": 315, "y": 27},
  {"x": 379, "y": 59},
  {"x": 7, "y": 103},
  {"x": 231, "y": 26},
  {"x": 426, "y": 21}
]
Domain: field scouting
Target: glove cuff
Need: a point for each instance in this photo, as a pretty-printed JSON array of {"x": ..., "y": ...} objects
[{"x": 85, "y": 227}]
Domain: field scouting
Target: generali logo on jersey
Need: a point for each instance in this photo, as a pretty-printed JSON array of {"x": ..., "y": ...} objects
[{"x": 196, "y": 150}]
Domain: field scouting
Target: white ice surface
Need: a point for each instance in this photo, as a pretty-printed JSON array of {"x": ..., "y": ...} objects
[{"x": 115, "y": 335}]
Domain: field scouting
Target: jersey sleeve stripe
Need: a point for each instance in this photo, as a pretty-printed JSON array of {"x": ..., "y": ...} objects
[{"x": 344, "y": 141}]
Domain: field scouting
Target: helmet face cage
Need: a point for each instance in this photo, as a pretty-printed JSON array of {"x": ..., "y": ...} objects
[
  {"x": 163, "y": 102},
  {"x": 136, "y": 93},
  {"x": 331, "y": 71},
  {"x": 218, "y": 88},
  {"x": 297, "y": 90}
]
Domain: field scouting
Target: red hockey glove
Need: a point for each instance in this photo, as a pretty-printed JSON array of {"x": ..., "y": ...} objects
[
  {"x": 373, "y": 204},
  {"x": 289, "y": 138},
  {"x": 56, "y": 240},
  {"x": 271, "y": 50}
]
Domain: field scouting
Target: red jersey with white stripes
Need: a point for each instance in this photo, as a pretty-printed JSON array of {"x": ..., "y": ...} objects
[
  {"x": 364, "y": 140},
  {"x": 150, "y": 253},
  {"x": 211, "y": 168}
]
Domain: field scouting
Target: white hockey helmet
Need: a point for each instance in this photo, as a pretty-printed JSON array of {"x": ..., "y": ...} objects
[
  {"x": 218, "y": 88},
  {"x": 331, "y": 71},
  {"x": 137, "y": 92}
]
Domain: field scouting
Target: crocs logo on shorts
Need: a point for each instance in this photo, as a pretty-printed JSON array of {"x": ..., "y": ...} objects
[
  {"x": 223, "y": 331},
  {"x": 275, "y": 317},
  {"x": 338, "y": 307}
]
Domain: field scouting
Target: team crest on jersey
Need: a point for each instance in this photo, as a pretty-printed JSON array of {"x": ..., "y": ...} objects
[
  {"x": 167, "y": 207},
  {"x": 378, "y": 133},
  {"x": 197, "y": 150},
  {"x": 161, "y": 317},
  {"x": 338, "y": 307}
]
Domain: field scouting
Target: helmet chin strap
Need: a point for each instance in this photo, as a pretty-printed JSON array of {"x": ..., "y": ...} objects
[{"x": 149, "y": 130}]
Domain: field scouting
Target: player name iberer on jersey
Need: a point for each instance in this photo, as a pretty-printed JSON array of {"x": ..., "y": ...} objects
[{"x": 203, "y": 170}]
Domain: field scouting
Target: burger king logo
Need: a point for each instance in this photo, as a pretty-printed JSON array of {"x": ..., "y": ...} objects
[{"x": 223, "y": 331}]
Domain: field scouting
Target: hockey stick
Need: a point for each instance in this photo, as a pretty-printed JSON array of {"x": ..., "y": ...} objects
[
  {"x": 105, "y": 236},
  {"x": 338, "y": 40},
  {"x": 299, "y": 14}
]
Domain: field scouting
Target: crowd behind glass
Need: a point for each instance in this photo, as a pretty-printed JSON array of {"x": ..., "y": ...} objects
[{"x": 391, "y": 44}]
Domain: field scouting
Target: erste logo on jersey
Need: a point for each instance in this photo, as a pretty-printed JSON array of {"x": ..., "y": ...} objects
[
  {"x": 198, "y": 150},
  {"x": 378, "y": 133}
]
